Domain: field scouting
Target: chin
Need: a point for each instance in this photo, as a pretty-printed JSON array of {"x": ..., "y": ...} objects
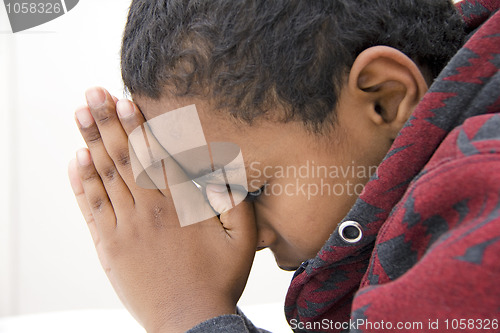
[
  {"x": 288, "y": 262},
  {"x": 286, "y": 266},
  {"x": 289, "y": 268}
]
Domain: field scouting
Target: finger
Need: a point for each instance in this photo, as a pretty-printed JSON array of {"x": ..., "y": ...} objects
[
  {"x": 130, "y": 115},
  {"x": 81, "y": 199},
  {"x": 236, "y": 215},
  {"x": 117, "y": 189},
  {"x": 95, "y": 193},
  {"x": 152, "y": 158},
  {"x": 114, "y": 138}
]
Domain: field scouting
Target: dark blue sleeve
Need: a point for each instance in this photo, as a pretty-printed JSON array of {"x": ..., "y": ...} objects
[{"x": 237, "y": 323}]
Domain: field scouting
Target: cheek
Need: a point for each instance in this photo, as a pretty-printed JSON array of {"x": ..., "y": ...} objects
[
  {"x": 312, "y": 224},
  {"x": 302, "y": 220}
]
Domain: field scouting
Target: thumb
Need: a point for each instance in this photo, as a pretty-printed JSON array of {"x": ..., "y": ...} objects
[{"x": 236, "y": 215}]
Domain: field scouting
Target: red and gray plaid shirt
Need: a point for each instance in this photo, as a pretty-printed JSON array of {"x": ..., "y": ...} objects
[{"x": 430, "y": 251}]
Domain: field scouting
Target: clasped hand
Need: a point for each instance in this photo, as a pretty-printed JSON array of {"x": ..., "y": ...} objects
[{"x": 169, "y": 277}]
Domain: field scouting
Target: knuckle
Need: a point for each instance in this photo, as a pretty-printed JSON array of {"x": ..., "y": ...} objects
[
  {"x": 89, "y": 218},
  {"x": 158, "y": 216},
  {"x": 104, "y": 116},
  {"x": 93, "y": 137},
  {"x": 104, "y": 119},
  {"x": 90, "y": 176},
  {"x": 97, "y": 204},
  {"x": 123, "y": 157},
  {"x": 109, "y": 174}
]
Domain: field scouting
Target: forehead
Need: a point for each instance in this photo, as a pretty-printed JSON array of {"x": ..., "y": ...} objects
[
  {"x": 193, "y": 136},
  {"x": 218, "y": 125},
  {"x": 266, "y": 141}
]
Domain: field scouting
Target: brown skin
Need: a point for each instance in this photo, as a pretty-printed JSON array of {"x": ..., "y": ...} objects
[{"x": 160, "y": 270}]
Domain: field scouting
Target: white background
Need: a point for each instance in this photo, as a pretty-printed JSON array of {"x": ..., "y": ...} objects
[{"x": 47, "y": 260}]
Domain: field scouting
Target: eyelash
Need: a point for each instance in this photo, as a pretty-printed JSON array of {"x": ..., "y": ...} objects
[{"x": 252, "y": 196}]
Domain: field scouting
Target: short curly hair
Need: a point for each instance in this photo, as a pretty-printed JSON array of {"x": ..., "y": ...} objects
[{"x": 252, "y": 55}]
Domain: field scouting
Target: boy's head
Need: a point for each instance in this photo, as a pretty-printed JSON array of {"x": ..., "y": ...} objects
[{"x": 313, "y": 92}]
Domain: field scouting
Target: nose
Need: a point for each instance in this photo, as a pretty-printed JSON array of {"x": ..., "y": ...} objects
[{"x": 265, "y": 237}]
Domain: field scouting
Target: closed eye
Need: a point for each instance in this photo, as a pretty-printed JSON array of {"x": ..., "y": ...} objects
[{"x": 252, "y": 196}]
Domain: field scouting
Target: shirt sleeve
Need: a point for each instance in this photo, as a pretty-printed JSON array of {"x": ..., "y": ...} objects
[{"x": 237, "y": 323}]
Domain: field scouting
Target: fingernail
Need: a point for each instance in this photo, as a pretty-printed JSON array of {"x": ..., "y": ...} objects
[
  {"x": 218, "y": 197},
  {"x": 83, "y": 157},
  {"x": 84, "y": 117},
  {"x": 124, "y": 108},
  {"x": 95, "y": 97},
  {"x": 216, "y": 188}
]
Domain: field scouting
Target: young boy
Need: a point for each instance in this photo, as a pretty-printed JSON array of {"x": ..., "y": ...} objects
[{"x": 333, "y": 87}]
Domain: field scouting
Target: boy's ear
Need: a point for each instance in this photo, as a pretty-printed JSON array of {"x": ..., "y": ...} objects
[{"x": 389, "y": 83}]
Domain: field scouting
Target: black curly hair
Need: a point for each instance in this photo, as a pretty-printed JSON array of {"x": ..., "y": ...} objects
[{"x": 253, "y": 55}]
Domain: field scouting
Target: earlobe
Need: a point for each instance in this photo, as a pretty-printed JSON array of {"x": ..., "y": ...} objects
[{"x": 391, "y": 85}]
